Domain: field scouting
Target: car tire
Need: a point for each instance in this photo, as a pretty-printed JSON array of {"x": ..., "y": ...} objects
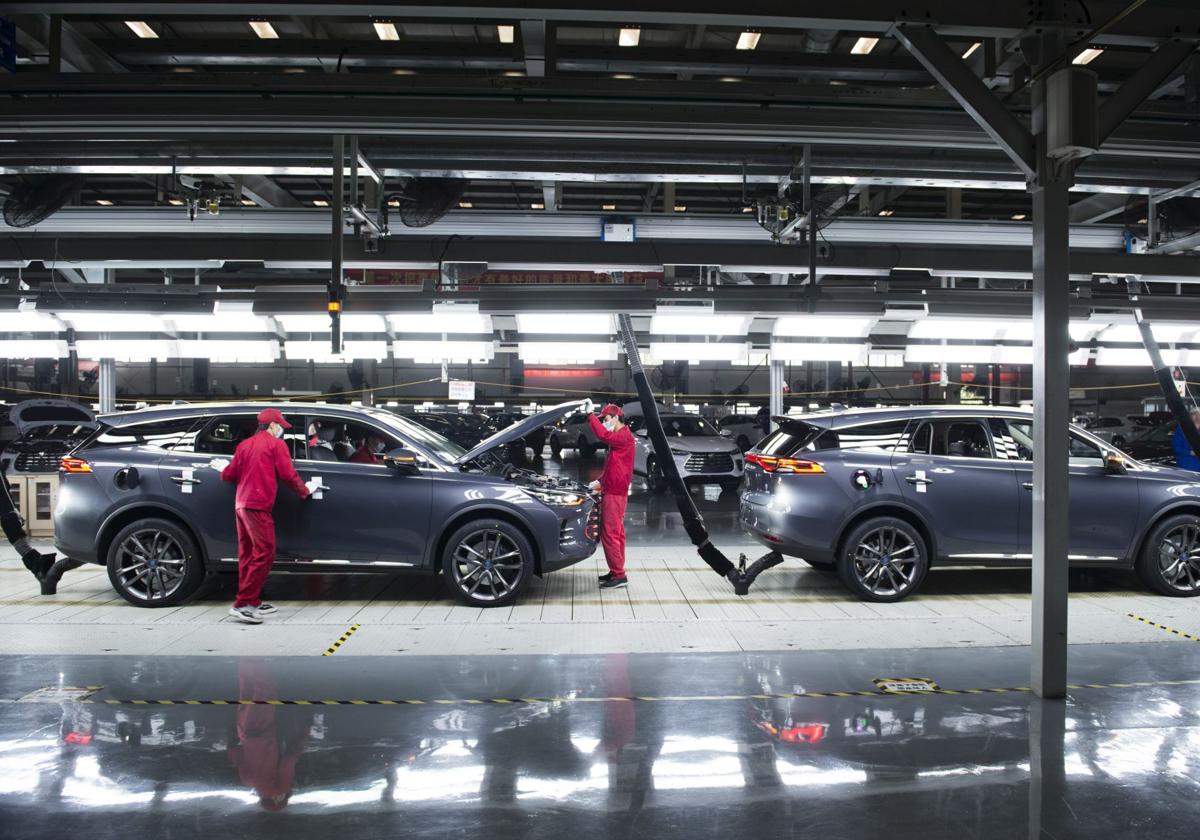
[
  {"x": 1169, "y": 538},
  {"x": 656, "y": 482},
  {"x": 743, "y": 443},
  {"x": 585, "y": 449},
  {"x": 469, "y": 568},
  {"x": 555, "y": 446},
  {"x": 882, "y": 536},
  {"x": 154, "y": 563}
]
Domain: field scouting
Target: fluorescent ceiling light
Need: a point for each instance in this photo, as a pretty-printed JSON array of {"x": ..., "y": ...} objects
[
  {"x": 863, "y": 46},
  {"x": 230, "y": 351},
  {"x": 1124, "y": 357},
  {"x": 702, "y": 322},
  {"x": 886, "y": 212},
  {"x": 104, "y": 202},
  {"x": 1087, "y": 56},
  {"x": 513, "y": 74},
  {"x": 971, "y": 49},
  {"x": 566, "y": 352},
  {"x": 680, "y": 208},
  {"x": 1167, "y": 333},
  {"x": 630, "y": 36},
  {"x": 466, "y": 205},
  {"x": 394, "y": 203},
  {"x": 249, "y": 202},
  {"x": 221, "y": 322},
  {"x": 175, "y": 202},
  {"x": 1018, "y": 217},
  {"x": 972, "y": 329},
  {"x": 967, "y": 354},
  {"x": 386, "y": 30},
  {"x": 748, "y": 40},
  {"x": 141, "y": 29},
  {"x": 114, "y": 321},
  {"x": 263, "y": 30},
  {"x": 537, "y": 205},
  {"x": 817, "y": 326},
  {"x": 564, "y": 323},
  {"x": 436, "y": 352},
  {"x": 28, "y": 321},
  {"x": 126, "y": 350},
  {"x": 814, "y": 352},
  {"x": 320, "y": 202},
  {"x": 608, "y": 207},
  {"x": 321, "y": 323},
  {"x": 447, "y": 320},
  {"x": 506, "y": 32},
  {"x": 404, "y": 71},
  {"x": 34, "y": 349},
  {"x": 320, "y": 351},
  {"x": 694, "y": 351}
]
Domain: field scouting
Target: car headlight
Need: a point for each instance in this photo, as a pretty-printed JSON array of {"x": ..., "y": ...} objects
[
  {"x": 675, "y": 451},
  {"x": 555, "y": 498}
]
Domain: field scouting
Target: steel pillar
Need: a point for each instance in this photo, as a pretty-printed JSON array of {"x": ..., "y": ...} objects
[
  {"x": 1051, "y": 416},
  {"x": 336, "y": 281},
  {"x": 776, "y": 391}
]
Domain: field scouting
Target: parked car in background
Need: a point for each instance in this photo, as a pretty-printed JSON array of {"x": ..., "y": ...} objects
[
  {"x": 1114, "y": 430},
  {"x": 140, "y": 497},
  {"x": 1154, "y": 446},
  {"x": 744, "y": 429},
  {"x": 535, "y": 440},
  {"x": 881, "y": 495},
  {"x": 574, "y": 433},
  {"x": 702, "y": 454}
]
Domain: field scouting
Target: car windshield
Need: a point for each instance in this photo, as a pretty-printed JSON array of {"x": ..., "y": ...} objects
[
  {"x": 445, "y": 450},
  {"x": 687, "y": 426}
]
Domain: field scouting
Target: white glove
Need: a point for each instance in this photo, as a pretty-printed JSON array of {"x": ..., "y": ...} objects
[
  {"x": 594, "y": 486},
  {"x": 588, "y": 406},
  {"x": 218, "y": 464},
  {"x": 313, "y": 485}
]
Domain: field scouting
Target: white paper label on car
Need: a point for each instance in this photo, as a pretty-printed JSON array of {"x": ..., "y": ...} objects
[
  {"x": 920, "y": 481},
  {"x": 315, "y": 486},
  {"x": 188, "y": 477}
]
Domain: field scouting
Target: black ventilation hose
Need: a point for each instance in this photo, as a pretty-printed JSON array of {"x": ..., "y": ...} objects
[
  {"x": 740, "y": 576},
  {"x": 1162, "y": 372}
]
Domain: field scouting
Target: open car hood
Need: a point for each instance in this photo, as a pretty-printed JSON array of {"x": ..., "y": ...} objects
[
  {"x": 522, "y": 429},
  {"x": 32, "y": 414}
]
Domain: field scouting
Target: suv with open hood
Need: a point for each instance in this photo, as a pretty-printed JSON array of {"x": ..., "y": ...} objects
[{"x": 139, "y": 496}]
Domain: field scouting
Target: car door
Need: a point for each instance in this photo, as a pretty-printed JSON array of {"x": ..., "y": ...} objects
[
  {"x": 1102, "y": 509},
  {"x": 367, "y": 513},
  {"x": 970, "y": 498}
]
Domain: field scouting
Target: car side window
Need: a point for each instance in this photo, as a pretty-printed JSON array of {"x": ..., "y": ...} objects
[
  {"x": 888, "y": 436},
  {"x": 955, "y": 438},
  {"x": 222, "y": 434},
  {"x": 346, "y": 441},
  {"x": 1080, "y": 453},
  {"x": 1013, "y": 439}
]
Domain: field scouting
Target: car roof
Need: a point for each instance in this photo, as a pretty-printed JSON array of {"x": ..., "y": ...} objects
[
  {"x": 855, "y": 416},
  {"x": 175, "y": 411}
]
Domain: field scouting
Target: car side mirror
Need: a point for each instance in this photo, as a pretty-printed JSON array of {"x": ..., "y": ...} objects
[
  {"x": 642, "y": 433},
  {"x": 402, "y": 461},
  {"x": 1114, "y": 464}
]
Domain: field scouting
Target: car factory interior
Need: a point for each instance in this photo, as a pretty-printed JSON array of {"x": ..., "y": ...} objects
[{"x": 641, "y": 419}]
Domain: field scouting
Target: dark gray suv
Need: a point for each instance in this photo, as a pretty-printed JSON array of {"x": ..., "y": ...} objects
[
  {"x": 139, "y": 495},
  {"x": 880, "y": 494}
]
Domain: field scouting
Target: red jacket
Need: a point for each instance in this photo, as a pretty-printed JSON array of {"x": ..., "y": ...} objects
[
  {"x": 362, "y": 455},
  {"x": 618, "y": 467},
  {"x": 257, "y": 462}
]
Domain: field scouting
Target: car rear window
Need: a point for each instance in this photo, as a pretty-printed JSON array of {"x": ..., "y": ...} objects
[
  {"x": 798, "y": 436},
  {"x": 177, "y": 433}
]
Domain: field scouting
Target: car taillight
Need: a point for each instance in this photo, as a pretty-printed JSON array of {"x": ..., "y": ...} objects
[
  {"x": 74, "y": 465},
  {"x": 771, "y": 464}
]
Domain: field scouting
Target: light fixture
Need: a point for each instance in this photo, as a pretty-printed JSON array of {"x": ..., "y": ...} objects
[
  {"x": 564, "y": 323},
  {"x": 747, "y": 209},
  {"x": 696, "y": 351},
  {"x": 506, "y": 32},
  {"x": 436, "y": 352},
  {"x": 28, "y": 320},
  {"x": 1087, "y": 56},
  {"x": 229, "y": 351},
  {"x": 351, "y": 322},
  {"x": 141, "y": 29},
  {"x": 394, "y": 203},
  {"x": 863, "y": 46},
  {"x": 818, "y": 326},
  {"x": 104, "y": 202},
  {"x": 175, "y": 202},
  {"x": 221, "y": 322},
  {"x": 320, "y": 202},
  {"x": 33, "y": 349},
  {"x": 855, "y": 354},
  {"x": 114, "y": 321},
  {"x": 264, "y": 30},
  {"x": 729, "y": 79},
  {"x": 608, "y": 207},
  {"x": 623, "y": 76},
  {"x": 680, "y": 208},
  {"x": 967, "y": 354},
  {"x": 444, "y": 318},
  {"x": 320, "y": 351},
  {"x": 466, "y": 205},
  {"x": 971, "y": 49},
  {"x": 967, "y": 329},
  {"x": 249, "y": 202},
  {"x": 386, "y": 30},
  {"x": 630, "y": 36},
  {"x": 403, "y": 71},
  {"x": 537, "y": 205},
  {"x": 514, "y": 74},
  {"x": 887, "y": 212},
  {"x": 1143, "y": 221},
  {"x": 566, "y": 352},
  {"x": 678, "y": 320},
  {"x": 1017, "y": 217},
  {"x": 126, "y": 350},
  {"x": 748, "y": 40}
]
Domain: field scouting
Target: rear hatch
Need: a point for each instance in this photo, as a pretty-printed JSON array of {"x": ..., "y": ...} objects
[{"x": 46, "y": 430}]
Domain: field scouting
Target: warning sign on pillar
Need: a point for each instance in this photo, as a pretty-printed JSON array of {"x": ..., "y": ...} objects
[{"x": 462, "y": 390}]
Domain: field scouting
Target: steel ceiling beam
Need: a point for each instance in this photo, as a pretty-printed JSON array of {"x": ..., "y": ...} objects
[{"x": 1165, "y": 61}]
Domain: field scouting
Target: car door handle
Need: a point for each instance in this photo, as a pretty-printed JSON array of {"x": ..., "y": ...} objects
[
  {"x": 179, "y": 479},
  {"x": 1028, "y": 485},
  {"x": 917, "y": 482}
]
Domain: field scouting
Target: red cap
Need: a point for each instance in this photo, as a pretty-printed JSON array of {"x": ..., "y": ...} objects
[
  {"x": 612, "y": 410},
  {"x": 272, "y": 415}
]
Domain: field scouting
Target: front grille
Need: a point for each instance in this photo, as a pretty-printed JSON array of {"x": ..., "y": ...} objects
[
  {"x": 37, "y": 462},
  {"x": 711, "y": 463}
]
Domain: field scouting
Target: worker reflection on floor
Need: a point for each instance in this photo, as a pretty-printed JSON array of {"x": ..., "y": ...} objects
[{"x": 613, "y": 485}]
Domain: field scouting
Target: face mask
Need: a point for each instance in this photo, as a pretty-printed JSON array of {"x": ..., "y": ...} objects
[
  {"x": 377, "y": 448},
  {"x": 610, "y": 424},
  {"x": 276, "y": 430}
]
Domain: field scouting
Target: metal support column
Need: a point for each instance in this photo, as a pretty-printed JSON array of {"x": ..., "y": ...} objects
[
  {"x": 1051, "y": 416},
  {"x": 106, "y": 388},
  {"x": 336, "y": 283},
  {"x": 776, "y": 390}
]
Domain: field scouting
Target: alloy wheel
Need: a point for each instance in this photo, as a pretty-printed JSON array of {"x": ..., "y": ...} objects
[
  {"x": 151, "y": 564},
  {"x": 1179, "y": 558},
  {"x": 487, "y": 565},
  {"x": 885, "y": 561}
]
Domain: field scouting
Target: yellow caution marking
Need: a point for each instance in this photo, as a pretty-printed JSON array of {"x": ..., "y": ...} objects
[
  {"x": 333, "y": 648},
  {"x": 1187, "y": 636}
]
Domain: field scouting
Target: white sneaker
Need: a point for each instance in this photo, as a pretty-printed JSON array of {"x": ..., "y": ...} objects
[
  {"x": 266, "y": 609},
  {"x": 246, "y": 615}
]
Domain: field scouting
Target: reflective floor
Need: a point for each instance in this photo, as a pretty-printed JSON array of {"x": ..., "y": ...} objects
[{"x": 674, "y": 746}]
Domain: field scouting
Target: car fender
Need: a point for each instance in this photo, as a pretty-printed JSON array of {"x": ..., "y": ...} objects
[
  {"x": 157, "y": 505},
  {"x": 883, "y": 505},
  {"x": 1189, "y": 505},
  {"x": 528, "y": 513}
]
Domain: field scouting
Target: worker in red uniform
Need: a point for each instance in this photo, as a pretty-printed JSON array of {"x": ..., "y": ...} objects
[
  {"x": 613, "y": 485},
  {"x": 368, "y": 451},
  {"x": 259, "y": 462}
]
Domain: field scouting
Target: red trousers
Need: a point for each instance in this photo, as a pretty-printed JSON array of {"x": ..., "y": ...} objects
[
  {"x": 612, "y": 531},
  {"x": 256, "y": 554}
]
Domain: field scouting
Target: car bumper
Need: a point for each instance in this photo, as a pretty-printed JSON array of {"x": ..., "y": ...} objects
[
  {"x": 785, "y": 531},
  {"x": 578, "y": 536}
]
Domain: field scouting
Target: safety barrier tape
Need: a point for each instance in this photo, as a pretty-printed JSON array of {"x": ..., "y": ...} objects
[
  {"x": 333, "y": 648},
  {"x": 517, "y": 701},
  {"x": 1187, "y": 636}
]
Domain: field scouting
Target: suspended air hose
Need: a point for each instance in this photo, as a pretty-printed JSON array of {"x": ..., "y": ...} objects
[{"x": 1162, "y": 372}]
